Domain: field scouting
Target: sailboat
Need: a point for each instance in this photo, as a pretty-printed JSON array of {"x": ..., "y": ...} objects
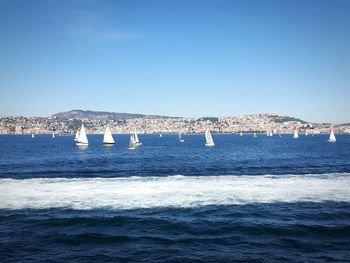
[
  {"x": 209, "y": 142},
  {"x": 136, "y": 138},
  {"x": 254, "y": 135},
  {"x": 332, "y": 136},
  {"x": 132, "y": 142},
  {"x": 279, "y": 132},
  {"x": 180, "y": 138},
  {"x": 296, "y": 136},
  {"x": 160, "y": 135},
  {"x": 306, "y": 133},
  {"x": 107, "y": 137},
  {"x": 77, "y": 135},
  {"x": 53, "y": 135},
  {"x": 241, "y": 134},
  {"x": 33, "y": 135},
  {"x": 82, "y": 139}
]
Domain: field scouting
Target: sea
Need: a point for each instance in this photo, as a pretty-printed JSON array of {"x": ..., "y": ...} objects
[{"x": 265, "y": 199}]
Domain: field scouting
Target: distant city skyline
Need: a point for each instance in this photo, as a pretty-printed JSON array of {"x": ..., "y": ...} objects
[
  {"x": 171, "y": 116},
  {"x": 177, "y": 58}
]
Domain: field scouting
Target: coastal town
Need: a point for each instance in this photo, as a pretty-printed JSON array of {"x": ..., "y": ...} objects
[{"x": 146, "y": 124}]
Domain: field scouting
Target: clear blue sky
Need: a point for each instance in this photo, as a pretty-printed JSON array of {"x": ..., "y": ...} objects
[{"x": 179, "y": 58}]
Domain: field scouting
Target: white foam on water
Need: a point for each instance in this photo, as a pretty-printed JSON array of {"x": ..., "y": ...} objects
[{"x": 171, "y": 191}]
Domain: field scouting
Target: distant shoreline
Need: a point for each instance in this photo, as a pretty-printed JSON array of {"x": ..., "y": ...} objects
[
  {"x": 174, "y": 133},
  {"x": 259, "y": 123}
]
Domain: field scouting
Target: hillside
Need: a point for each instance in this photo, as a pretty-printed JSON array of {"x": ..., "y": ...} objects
[{"x": 96, "y": 115}]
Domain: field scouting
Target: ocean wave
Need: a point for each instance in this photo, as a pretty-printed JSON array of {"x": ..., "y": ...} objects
[{"x": 171, "y": 191}]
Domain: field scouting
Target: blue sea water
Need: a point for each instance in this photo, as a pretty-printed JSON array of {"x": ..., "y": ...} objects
[{"x": 265, "y": 199}]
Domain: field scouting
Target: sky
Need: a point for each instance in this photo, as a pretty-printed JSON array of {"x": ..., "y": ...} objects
[{"x": 179, "y": 58}]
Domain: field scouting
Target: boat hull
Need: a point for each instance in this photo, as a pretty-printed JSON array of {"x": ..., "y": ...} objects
[{"x": 82, "y": 144}]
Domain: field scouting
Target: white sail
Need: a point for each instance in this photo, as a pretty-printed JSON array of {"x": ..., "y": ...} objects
[
  {"x": 136, "y": 138},
  {"x": 132, "y": 143},
  {"x": 107, "y": 137},
  {"x": 208, "y": 139},
  {"x": 180, "y": 138},
  {"x": 296, "y": 135},
  {"x": 332, "y": 136},
  {"x": 77, "y": 135},
  {"x": 53, "y": 135},
  {"x": 241, "y": 134},
  {"x": 254, "y": 135},
  {"x": 82, "y": 140},
  {"x": 160, "y": 135},
  {"x": 306, "y": 133},
  {"x": 32, "y": 135}
]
